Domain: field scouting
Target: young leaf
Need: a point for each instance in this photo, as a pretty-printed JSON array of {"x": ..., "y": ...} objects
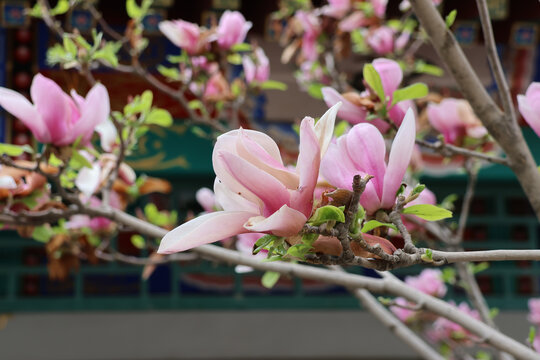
[
  {"x": 273, "y": 85},
  {"x": 235, "y": 59},
  {"x": 372, "y": 224},
  {"x": 62, "y": 6},
  {"x": 410, "y": 92},
  {"x": 314, "y": 90},
  {"x": 263, "y": 242},
  {"x": 428, "y": 212},
  {"x": 325, "y": 214},
  {"x": 418, "y": 189},
  {"x": 373, "y": 79},
  {"x": 42, "y": 233},
  {"x": 427, "y": 256},
  {"x": 138, "y": 241},
  {"x": 269, "y": 279},
  {"x": 450, "y": 18},
  {"x": 423, "y": 68},
  {"x": 70, "y": 46},
  {"x": 14, "y": 150},
  {"x": 299, "y": 250},
  {"x": 133, "y": 10},
  {"x": 241, "y": 47},
  {"x": 80, "y": 161},
  {"x": 532, "y": 334},
  {"x": 159, "y": 117},
  {"x": 171, "y": 73}
]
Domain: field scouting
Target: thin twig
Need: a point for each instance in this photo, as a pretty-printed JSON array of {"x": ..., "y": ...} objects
[{"x": 449, "y": 150}]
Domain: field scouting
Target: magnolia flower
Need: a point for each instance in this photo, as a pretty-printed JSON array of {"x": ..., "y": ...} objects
[
  {"x": 336, "y": 8},
  {"x": 406, "y": 5},
  {"x": 429, "y": 282},
  {"x": 206, "y": 198},
  {"x": 90, "y": 180},
  {"x": 362, "y": 151},
  {"x": 259, "y": 72},
  {"x": 534, "y": 311},
  {"x": 381, "y": 40},
  {"x": 55, "y": 118},
  {"x": 183, "y": 34},
  {"x": 353, "y": 111},
  {"x": 529, "y": 106},
  {"x": 354, "y": 21},
  {"x": 403, "y": 311},
  {"x": 444, "y": 329},
  {"x": 379, "y": 7},
  {"x": 96, "y": 223},
  {"x": 312, "y": 29},
  {"x": 232, "y": 29},
  {"x": 257, "y": 192},
  {"x": 217, "y": 88},
  {"x": 455, "y": 118}
]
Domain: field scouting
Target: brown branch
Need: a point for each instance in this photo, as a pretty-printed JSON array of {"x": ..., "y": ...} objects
[{"x": 449, "y": 150}]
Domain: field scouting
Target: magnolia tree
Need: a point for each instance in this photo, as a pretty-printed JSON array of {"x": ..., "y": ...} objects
[{"x": 351, "y": 197}]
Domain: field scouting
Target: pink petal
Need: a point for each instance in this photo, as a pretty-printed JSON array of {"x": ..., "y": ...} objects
[
  {"x": 204, "y": 229},
  {"x": 369, "y": 199},
  {"x": 53, "y": 105},
  {"x": 107, "y": 135},
  {"x": 336, "y": 166},
  {"x": 251, "y": 151},
  {"x": 95, "y": 111},
  {"x": 348, "y": 111},
  {"x": 445, "y": 118},
  {"x": 231, "y": 201},
  {"x": 284, "y": 222},
  {"x": 308, "y": 165},
  {"x": 352, "y": 22},
  {"x": 271, "y": 191},
  {"x": 390, "y": 73},
  {"x": 17, "y": 105},
  {"x": 88, "y": 180},
  {"x": 400, "y": 156},
  {"x": 206, "y": 198},
  {"x": 529, "y": 106},
  {"x": 249, "y": 69},
  {"x": 367, "y": 150}
]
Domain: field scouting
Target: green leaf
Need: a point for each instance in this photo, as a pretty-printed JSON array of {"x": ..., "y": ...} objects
[
  {"x": 241, "y": 47},
  {"x": 532, "y": 334},
  {"x": 80, "y": 161},
  {"x": 235, "y": 59},
  {"x": 14, "y": 150},
  {"x": 422, "y": 67},
  {"x": 138, "y": 241},
  {"x": 146, "y": 100},
  {"x": 70, "y": 46},
  {"x": 170, "y": 73},
  {"x": 269, "y": 279},
  {"x": 373, "y": 79},
  {"x": 450, "y": 18},
  {"x": 309, "y": 239},
  {"x": 133, "y": 10},
  {"x": 315, "y": 91},
  {"x": 476, "y": 268},
  {"x": 62, "y": 7},
  {"x": 418, "y": 189},
  {"x": 372, "y": 224},
  {"x": 155, "y": 216},
  {"x": 428, "y": 212},
  {"x": 42, "y": 233},
  {"x": 159, "y": 117},
  {"x": 325, "y": 214},
  {"x": 448, "y": 202},
  {"x": 449, "y": 275},
  {"x": 414, "y": 91},
  {"x": 273, "y": 85},
  {"x": 427, "y": 256},
  {"x": 263, "y": 242},
  {"x": 493, "y": 312}
]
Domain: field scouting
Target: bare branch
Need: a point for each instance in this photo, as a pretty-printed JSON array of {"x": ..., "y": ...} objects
[{"x": 449, "y": 150}]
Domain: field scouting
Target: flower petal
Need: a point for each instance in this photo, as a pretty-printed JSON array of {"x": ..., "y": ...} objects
[
  {"x": 18, "y": 106},
  {"x": 267, "y": 188},
  {"x": 528, "y": 111},
  {"x": 348, "y": 111},
  {"x": 390, "y": 73},
  {"x": 324, "y": 128},
  {"x": 231, "y": 201},
  {"x": 206, "y": 198},
  {"x": 107, "y": 135},
  {"x": 336, "y": 166},
  {"x": 95, "y": 111},
  {"x": 204, "y": 229},
  {"x": 284, "y": 222},
  {"x": 398, "y": 161},
  {"x": 88, "y": 180}
]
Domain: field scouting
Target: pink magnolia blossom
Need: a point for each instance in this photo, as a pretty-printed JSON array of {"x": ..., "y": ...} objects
[
  {"x": 529, "y": 106},
  {"x": 402, "y": 312},
  {"x": 312, "y": 29},
  {"x": 534, "y": 311},
  {"x": 257, "y": 192},
  {"x": 536, "y": 343},
  {"x": 444, "y": 329},
  {"x": 336, "y": 8},
  {"x": 96, "y": 223},
  {"x": 354, "y": 21},
  {"x": 455, "y": 118},
  {"x": 54, "y": 117},
  {"x": 259, "y": 72},
  {"x": 391, "y": 76},
  {"x": 381, "y": 40},
  {"x": 379, "y": 7},
  {"x": 245, "y": 244},
  {"x": 406, "y": 5},
  {"x": 362, "y": 151},
  {"x": 90, "y": 180},
  {"x": 429, "y": 282},
  {"x": 232, "y": 29},
  {"x": 184, "y": 34},
  {"x": 7, "y": 182}
]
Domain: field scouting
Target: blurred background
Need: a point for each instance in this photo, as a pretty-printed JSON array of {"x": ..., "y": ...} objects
[{"x": 205, "y": 310}]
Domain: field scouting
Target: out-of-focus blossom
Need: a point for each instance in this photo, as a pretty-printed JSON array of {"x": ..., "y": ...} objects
[
  {"x": 7, "y": 182},
  {"x": 354, "y": 21},
  {"x": 96, "y": 223},
  {"x": 529, "y": 106},
  {"x": 107, "y": 135},
  {"x": 534, "y": 311},
  {"x": 336, "y": 8},
  {"x": 406, "y": 5},
  {"x": 429, "y": 282},
  {"x": 217, "y": 88},
  {"x": 259, "y": 72},
  {"x": 381, "y": 40},
  {"x": 90, "y": 180},
  {"x": 444, "y": 329},
  {"x": 183, "y": 34},
  {"x": 25, "y": 181},
  {"x": 402, "y": 311},
  {"x": 379, "y": 7},
  {"x": 54, "y": 117},
  {"x": 245, "y": 244},
  {"x": 206, "y": 198},
  {"x": 257, "y": 192},
  {"x": 312, "y": 29},
  {"x": 232, "y": 29},
  {"x": 536, "y": 343},
  {"x": 454, "y": 118},
  {"x": 362, "y": 151}
]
